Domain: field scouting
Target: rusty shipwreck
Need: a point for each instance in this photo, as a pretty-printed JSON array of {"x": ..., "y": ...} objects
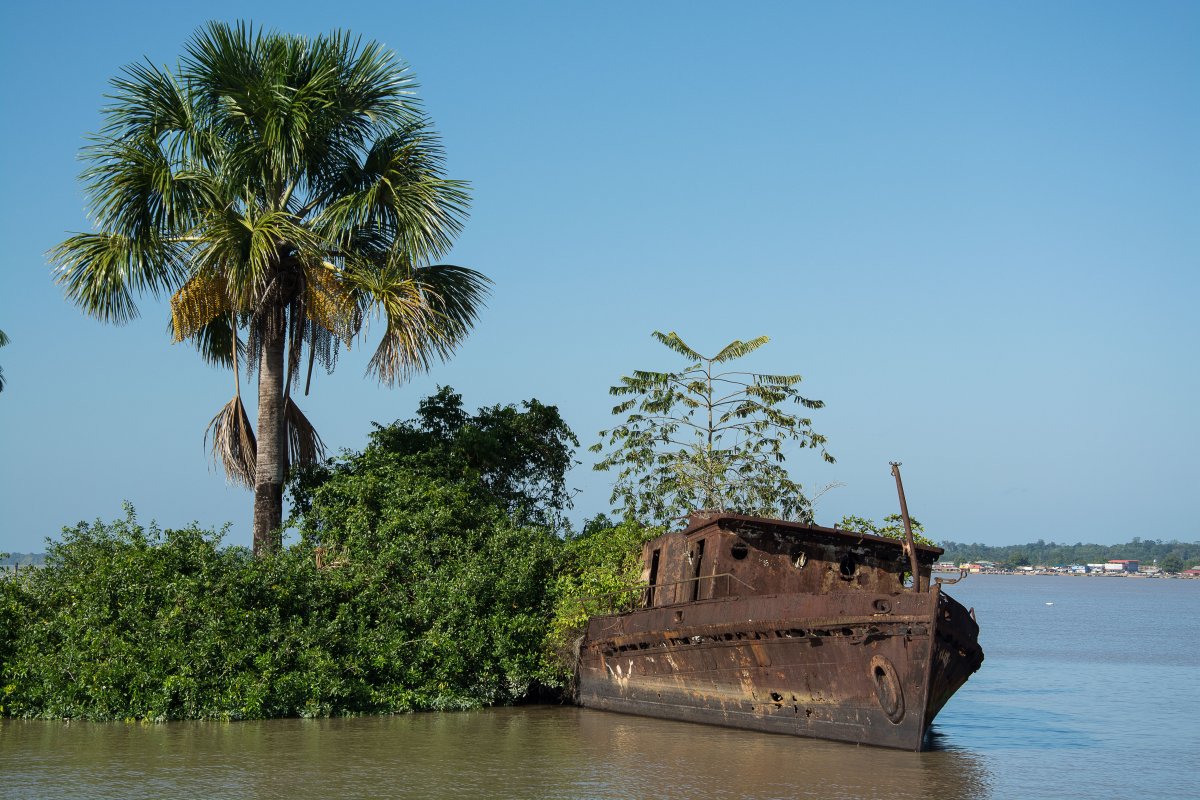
[{"x": 787, "y": 628}]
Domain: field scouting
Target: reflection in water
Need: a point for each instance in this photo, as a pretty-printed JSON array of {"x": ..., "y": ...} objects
[{"x": 532, "y": 752}]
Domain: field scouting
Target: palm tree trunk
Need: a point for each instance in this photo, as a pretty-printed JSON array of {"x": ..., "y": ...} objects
[{"x": 268, "y": 475}]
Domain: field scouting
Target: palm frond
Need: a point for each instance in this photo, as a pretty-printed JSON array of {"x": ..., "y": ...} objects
[
  {"x": 323, "y": 348},
  {"x": 233, "y": 442},
  {"x": 427, "y": 313},
  {"x": 398, "y": 187},
  {"x": 147, "y": 100},
  {"x": 215, "y": 342},
  {"x": 133, "y": 188},
  {"x": 376, "y": 85},
  {"x": 100, "y": 272},
  {"x": 455, "y": 294},
  {"x": 244, "y": 245}
]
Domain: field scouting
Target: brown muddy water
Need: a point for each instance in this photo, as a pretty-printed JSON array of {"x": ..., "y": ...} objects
[
  {"x": 1087, "y": 691},
  {"x": 531, "y": 752}
]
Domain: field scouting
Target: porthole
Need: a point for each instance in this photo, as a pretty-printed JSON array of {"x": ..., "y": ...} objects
[
  {"x": 739, "y": 550},
  {"x": 887, "y": 689},
  {"x": 798, "y": 557},
  {"x": 848, "y": 565}
]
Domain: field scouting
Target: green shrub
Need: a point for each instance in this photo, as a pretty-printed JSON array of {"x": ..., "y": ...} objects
[
  {"x": 443, "y": 584},
  {"x": 598, "y": 573},
  {"x": 127, "y": 622}
]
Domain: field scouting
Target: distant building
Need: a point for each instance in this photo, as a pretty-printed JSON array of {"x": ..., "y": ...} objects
[
  {"x": 1122, "y": 565},
  {"x": 1194, "y": 572}
]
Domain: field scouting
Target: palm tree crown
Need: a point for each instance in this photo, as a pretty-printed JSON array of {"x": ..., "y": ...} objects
[{"x": 283, "y": 191}]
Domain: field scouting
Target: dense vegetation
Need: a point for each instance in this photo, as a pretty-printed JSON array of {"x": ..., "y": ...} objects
[
  {"x": 599, "y": 573},
  {"x": 443, "y": 565}
]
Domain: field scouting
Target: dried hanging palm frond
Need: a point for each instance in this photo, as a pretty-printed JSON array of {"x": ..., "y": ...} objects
[
  {"x": 323, "y": 348},
  {"x": 297, "y": 326},
  {"x": 233, "y": 442},
  {"x": 268, "y": 318},
  {"x": 197, "y": 303},
  {"x": 304, "y": 444}
]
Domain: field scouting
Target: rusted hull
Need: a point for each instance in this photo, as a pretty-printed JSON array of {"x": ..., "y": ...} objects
[{"x": 851, "y": 667}]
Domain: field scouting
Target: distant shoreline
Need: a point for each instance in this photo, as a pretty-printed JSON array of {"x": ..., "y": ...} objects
[{"x": 1053, "y": 574}]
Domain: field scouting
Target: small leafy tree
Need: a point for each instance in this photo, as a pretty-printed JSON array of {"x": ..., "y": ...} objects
[
  {"x": 517, "y": 457},
  {"x": 702, "y": 439},
  {"x": 892, "y": 528}
]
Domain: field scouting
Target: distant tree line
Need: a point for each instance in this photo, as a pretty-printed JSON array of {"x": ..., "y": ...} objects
[
  {"x": 22, "y": 559},
  {"x": 1147, "y": 551}
]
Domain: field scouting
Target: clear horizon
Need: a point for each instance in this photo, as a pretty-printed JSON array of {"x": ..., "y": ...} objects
[{"x": 973, "y": 229}]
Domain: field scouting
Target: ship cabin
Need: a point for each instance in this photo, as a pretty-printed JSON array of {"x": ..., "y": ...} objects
[{"x": 723, "y": 555}]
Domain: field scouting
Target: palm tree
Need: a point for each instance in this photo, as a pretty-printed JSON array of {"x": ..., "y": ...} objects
[{"x": 284, "y": 192}]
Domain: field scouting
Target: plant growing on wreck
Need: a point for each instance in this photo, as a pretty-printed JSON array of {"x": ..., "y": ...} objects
[
  {"x": 283, "y": 191},
  {"x": 704, "y": 439},
  {"x": 598, "y": 573},
  {"x": 892, "y": 528}
]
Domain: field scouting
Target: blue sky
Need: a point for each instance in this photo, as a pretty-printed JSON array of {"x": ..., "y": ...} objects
[{"x": 973, "y": 228}]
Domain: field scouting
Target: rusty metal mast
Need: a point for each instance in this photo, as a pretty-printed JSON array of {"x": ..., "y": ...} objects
[{"x": 910, "y": 547}]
